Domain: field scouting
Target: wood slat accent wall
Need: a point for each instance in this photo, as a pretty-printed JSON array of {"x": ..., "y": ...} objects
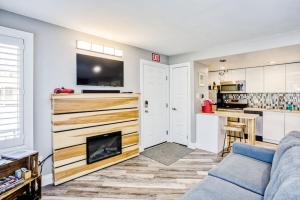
[{"x": 78, "y": 116}]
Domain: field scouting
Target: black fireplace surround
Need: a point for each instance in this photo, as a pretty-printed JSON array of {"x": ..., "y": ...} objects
[{"x": 103, "y": 146}]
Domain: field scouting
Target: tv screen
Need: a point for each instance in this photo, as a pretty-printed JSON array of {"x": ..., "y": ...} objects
[{"x": 99, "y": 71}]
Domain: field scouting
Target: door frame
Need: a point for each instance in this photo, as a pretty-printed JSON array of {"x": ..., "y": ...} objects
[
  {"x": 141, "y": 110},
  {"x": 189, "y": 103}
]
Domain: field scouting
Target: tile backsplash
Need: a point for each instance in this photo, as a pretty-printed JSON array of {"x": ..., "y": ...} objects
[{"x": 269, "y": 100}]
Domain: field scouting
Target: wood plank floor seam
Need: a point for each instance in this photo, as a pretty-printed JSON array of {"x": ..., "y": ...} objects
[{"x": 136, "y": 179}]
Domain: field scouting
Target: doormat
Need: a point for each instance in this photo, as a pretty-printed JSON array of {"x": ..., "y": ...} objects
[{"x": 167, "y": 153}]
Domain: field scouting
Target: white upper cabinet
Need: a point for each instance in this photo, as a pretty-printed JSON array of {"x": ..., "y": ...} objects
[
  {"x": 293, "y": 77},
  {"x": 226, "y": 76},
  {"x": 234, "y": 75},
  {"x": 255, "y": 80},
  {"x": 274, "y": 78},
  {"x": 213, "y": 77},
  {"x": 237, "y": 75}
]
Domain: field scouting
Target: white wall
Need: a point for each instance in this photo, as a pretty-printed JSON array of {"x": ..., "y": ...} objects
[
  {"x": 55, "y": 66},
  {"x": 197, "y": 92}
]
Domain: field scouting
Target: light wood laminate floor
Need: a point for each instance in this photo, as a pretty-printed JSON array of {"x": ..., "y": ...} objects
[
  {"x": 140, "y": 178},
  {"x": 137, "y": 178}
]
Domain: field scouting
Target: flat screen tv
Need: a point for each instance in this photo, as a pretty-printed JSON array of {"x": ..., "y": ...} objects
[{"x": 98, "y": 71}]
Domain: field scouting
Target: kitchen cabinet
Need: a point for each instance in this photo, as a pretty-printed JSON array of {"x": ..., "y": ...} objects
[
  {"x": 226, "y": 76},
  {"x": 234, "y": 75},
  {"x": 293, "y": 77},
  {"x": 213, "y": 125},
  {"x": 274, "y": 78},
  {"x": 230, "y": 75},
  {"x": 255, "y": 80},
  {"x": 237, "y": 75},
  {"x": 292, "y": 122},
  {"x": 213, "y": 77},
  {"x": 273, "y": 126}
]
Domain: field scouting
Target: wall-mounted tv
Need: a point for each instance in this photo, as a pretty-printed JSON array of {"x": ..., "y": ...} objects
[{"x": 99, "y": 71}]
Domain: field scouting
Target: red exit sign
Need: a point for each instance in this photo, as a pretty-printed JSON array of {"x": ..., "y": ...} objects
[{"x": 155, "y": 57}]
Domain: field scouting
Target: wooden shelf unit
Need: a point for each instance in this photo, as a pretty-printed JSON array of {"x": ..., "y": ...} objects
[
  {"x": 78, "y": 116},
  {"x": 31, "y": 185}
]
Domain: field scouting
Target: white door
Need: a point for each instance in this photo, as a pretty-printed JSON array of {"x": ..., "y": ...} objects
[
  {"x": 179, "y": 99},
  {"x": 155, "y": 104}
]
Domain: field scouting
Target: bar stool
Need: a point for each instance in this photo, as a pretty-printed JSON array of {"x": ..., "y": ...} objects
[
  {"x": 233, "y": 130},
  {"x": 241, "y": 125}
]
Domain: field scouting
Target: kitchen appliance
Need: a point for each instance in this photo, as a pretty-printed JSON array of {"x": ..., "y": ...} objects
[
  {"x": 233, "y": 105},
  {"x": 207, "y": 106},
  {"x": 259, "y": 121},
  {"x": 233, "y": 87}
]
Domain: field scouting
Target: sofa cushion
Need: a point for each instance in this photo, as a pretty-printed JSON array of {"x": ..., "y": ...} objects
[
  {"x": 289, "y": 189},
  {"x": 255, "y": 152},
  {"x": 285, "y": 180},
  {"x": 244, "y": 171},
  {"x": 212, "y": 188},
  {"x": 289, "y": 141}
]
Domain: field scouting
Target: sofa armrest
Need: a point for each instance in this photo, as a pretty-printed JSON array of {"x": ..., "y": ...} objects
[{"x": 251, "y": 151}]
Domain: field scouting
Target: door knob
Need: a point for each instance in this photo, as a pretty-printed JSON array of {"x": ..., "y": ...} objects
[
  {"x": 146, "y": 111},
  {"x": 174, "y": 109}
]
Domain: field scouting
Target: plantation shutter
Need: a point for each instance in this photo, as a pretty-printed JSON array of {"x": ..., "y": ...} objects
[{"x": 11, "y": 91}]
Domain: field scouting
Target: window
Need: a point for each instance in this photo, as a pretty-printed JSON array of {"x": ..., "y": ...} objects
[
  {"x": 11, "y": 101},
  {"x": 16, "y": 94}
]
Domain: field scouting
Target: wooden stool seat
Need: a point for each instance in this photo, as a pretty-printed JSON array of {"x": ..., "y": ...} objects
[
  {"x": 233, "y": 128},
  {"x": 237, "y": 124}
]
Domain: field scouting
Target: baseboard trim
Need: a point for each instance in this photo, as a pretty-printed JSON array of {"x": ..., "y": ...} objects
[
  {"x": 192, "y": 145},
  {"x": 47, "y": 179},
  {"x": 270, "y": 141}
]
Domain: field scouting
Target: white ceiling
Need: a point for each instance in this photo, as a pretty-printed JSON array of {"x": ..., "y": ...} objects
[
  {"x": 259, "y": 58},
  {"x": 167, "y": 26}
]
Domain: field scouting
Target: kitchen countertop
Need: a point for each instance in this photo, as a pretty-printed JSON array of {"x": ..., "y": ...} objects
[
  {"x": 231, "y": 114},
  {"x": 272, "y": 110}
]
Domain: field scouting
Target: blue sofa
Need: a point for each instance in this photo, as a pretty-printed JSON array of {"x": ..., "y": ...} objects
[{"x": 254, "y": 173}]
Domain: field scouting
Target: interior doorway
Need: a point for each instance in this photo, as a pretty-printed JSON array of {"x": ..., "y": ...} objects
[{"x": 154, "y": 105}]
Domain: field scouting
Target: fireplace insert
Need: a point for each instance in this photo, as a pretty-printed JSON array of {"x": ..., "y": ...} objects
[{"x": 103, "y": 146}]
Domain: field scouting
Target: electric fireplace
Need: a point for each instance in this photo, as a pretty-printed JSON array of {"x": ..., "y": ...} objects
[{"x": 103, "y": 146}]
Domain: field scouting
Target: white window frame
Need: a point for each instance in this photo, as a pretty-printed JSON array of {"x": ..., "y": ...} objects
[{"x": 27, "y": 86}]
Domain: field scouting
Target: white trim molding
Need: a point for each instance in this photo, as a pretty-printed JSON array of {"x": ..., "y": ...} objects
[
  {"x": 47, "y": 179},
  {"x": 192, "y": 145},
  {"x": 189, "y": 129},
  {"x": 28, "y": 72},
  {"x": 156, "y": 64}
]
